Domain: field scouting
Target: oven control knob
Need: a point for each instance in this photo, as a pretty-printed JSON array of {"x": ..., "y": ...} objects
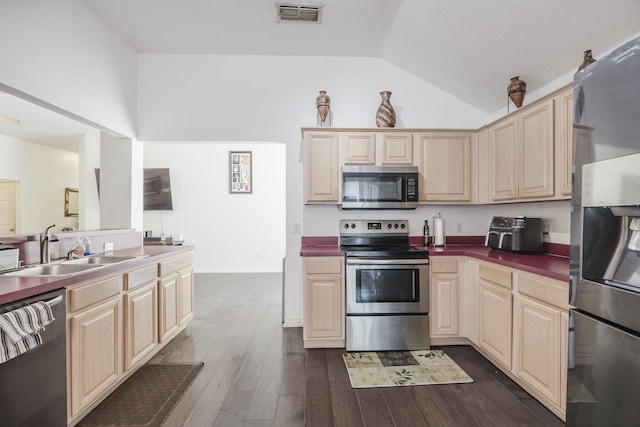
[
  {"x": 395, "y": 225},
  {"x": 402, "y": 226},
  {"x": 353, "y": 225},
  {"x": 389, "y": 225},
  {"x": 346, "y": 225}
]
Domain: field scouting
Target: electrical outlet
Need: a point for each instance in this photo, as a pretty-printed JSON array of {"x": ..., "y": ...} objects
[
  {"x": 459, "y": 227},
  {"x": 296, "y": 227},
  {"x": 108, "y": 246}
]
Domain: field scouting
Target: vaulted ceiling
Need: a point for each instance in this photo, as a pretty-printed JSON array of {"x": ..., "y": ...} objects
[{"x": 468, "y": 48}]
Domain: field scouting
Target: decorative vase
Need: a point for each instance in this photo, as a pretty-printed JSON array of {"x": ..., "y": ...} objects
[
  {"x": 385, "y": 116},
  {"x": 323, "y": 104},
  {"x": 516, "y": 90},
  {"x": 588, "y": 60}
]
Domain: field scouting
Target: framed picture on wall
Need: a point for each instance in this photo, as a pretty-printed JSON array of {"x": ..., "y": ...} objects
[{"x": 240, "y": 173}]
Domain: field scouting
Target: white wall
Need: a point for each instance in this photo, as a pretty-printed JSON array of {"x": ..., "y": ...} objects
[
  {"x": 63, "y": 54},
  {"x": 231, "y": 232},
  {"x": 43, "y": 174}
]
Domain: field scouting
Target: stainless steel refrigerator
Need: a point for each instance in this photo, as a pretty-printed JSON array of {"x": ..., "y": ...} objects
[{"x": 604, "y": 334}]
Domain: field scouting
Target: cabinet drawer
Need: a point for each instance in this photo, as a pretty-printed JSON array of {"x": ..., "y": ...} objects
[
  {"x": 444, "y": 265},
  {"x": 174, "y": 264},
  {"x": 324, "y": 265},
  {"x": 92, "y": 293},
  {"x": 550, "y": 291},
  {"x": 140, "y": 276},
  {"x": 496, "y": 275}
]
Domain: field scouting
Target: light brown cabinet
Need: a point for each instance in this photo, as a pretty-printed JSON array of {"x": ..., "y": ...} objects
[
  {"x": 564, "y": 142},
  {"x": 376, "y": 148},
  {"x": 445, "y": 166},
  {"x": 321, "y": 169},
  {"x": 396, "y": 148},
  {"x": 95, "y": 341},
  {"x": 541, "y": 338},
  {"x": 521, "y": 155},
  {"x": 495, "y": 300},
  {"x": 324, "y": 311},
  {"x": 141, "y": 323},
  {"x": 444, "y": 290},
  {"x": 175, "y": 295},
  {"x": 113, "y": 323}
]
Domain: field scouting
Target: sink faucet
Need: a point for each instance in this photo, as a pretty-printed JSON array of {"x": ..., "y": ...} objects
[{"x": 45, "y": 238}]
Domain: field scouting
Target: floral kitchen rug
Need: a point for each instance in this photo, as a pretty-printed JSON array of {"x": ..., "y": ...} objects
[{"x": 402, "y": 368}]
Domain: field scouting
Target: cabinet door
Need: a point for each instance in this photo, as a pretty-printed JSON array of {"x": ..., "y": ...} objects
[
  {"x": 168, "y": 306},
  {"x": 321, "y": 172},
  {"x": 565, "y": 142},
  {"x": 503, "y": 160},
  {"x": 495, "y": 321},
  {"x": 186, "y": 295},
  {"x": 359, "y": 148},
  {"x": 95, "y": 337},
  {"x": 140, "y": 323},
  {"x": 537, "y": 336},
  {"x": 564, "y": 361},
  {"x": 536, "y": 167},
  {"x": 324, "y": 307},
  {"x": 444, "y": 304},
  {"x": 445, "y": 166},
  {"x": 396, "y": 148}
]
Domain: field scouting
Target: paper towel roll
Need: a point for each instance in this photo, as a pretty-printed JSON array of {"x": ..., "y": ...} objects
[{"x": 438, "y": 232}]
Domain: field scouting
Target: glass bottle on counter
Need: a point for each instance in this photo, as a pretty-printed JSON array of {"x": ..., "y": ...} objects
[{"x": 426, "y": 233}]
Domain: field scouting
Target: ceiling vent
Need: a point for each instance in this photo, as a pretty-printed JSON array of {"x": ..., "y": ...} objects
[{"x": 288, "y": 12}]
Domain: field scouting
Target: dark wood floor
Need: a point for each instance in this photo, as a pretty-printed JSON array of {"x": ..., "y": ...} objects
[{"x": 257, "y": 374}]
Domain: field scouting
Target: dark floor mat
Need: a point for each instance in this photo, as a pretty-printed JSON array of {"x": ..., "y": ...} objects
[{"x": 145, "y": 399}]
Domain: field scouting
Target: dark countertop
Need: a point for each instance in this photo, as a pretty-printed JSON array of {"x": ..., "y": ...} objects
[
  {"x": 14, "y": 288},
  {"x": 552, "y": 266}
]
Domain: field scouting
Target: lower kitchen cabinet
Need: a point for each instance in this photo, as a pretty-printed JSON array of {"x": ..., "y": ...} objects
[
  {"x": 186, "y": 295},
  {"x": 175, "y": 295},
  {"x": 495, "y": 309},
  {"x": 95, "y": 338},
  {"x": 324, "y": 311},
  {"x": 444, "y": 291},
  {"x": 168, "y": 303},
  {"x": 540, "y": 338},
  {"x": 113, "y": 324},
  {"x": 141, "y": 323}
]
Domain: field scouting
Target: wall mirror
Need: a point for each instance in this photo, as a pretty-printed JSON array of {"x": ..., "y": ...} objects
[{"x": 71, "y": 202}]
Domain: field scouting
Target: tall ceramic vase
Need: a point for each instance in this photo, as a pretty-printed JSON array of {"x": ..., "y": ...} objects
[
  {"x": 385, "y": 116},
  {"x": 323, "y": 104},
  {"x": 516, "y": 90}
]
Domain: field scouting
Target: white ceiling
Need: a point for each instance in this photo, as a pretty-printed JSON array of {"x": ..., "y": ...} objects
[{"x": 468, "y": 48}]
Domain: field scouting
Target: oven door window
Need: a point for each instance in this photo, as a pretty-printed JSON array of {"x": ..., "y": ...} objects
[{"x": 387, "y": 285}]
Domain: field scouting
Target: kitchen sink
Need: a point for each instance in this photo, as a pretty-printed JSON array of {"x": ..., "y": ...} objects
[
  {"x": 53, "y": 270},
  {"x": 101, "y": 260},
  {"x": 73, "y": 266}
]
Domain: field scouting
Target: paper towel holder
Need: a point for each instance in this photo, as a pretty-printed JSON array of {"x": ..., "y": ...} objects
[{"x": 438, "y": 231}]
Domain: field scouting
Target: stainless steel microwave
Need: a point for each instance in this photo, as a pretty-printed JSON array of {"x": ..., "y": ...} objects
[{"x": 379, "y": 187}]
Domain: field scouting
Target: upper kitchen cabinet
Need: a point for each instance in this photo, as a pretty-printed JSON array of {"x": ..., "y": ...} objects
[
  {"x": 396, "y": 148},
  {"x": 521, "y": 155},
  {"x": 446, "y": 166},
  {"x": 376, "y": 148},
  {"x": 321, "y": 168},
  {"x": 564, "y": 142},
  {"x": 358, "y": 148}
]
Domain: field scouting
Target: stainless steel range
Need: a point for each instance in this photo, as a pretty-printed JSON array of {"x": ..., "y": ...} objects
[{"x": 387, "y": 287}]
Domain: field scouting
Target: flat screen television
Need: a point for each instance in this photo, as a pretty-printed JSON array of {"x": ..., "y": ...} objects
[{"x": 157, "y": 190}]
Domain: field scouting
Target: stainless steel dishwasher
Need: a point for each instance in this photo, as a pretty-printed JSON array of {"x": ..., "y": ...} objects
[{"x": 33, "y": 386}]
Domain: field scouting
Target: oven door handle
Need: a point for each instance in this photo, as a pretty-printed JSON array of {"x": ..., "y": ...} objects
[{"x": 361, "y": 261}]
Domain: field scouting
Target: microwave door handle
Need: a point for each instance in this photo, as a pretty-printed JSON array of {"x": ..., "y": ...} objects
[
  {"x": 486, "y": 239},
  {"x": 502, "y": 238}
]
